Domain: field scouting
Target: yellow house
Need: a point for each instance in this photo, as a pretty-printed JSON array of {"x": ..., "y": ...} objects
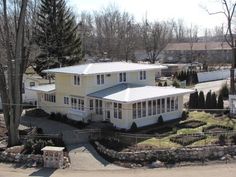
[{"x": 118, "y": 92}]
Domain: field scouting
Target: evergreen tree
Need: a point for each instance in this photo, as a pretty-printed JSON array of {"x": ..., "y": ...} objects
[
  {"x": 57, "y": 36},
  {"x": 165, "y": 84},
  {"x": 159, "y": 84},
  {"x": 213, "y": 101},
  {"x": 220, "y": 102},
  {"x": 195, "y": 103},
  {"x": 201, "y": 100},
  {"x": 208, "y": 100}
]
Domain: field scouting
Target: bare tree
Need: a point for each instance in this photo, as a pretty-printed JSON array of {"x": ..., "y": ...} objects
[
  {"x": 11, "y": 80},
  {"x": 155, "y": 37},
  {"x": 179, "y": 31},
  {"x": 228, "y": 10}
]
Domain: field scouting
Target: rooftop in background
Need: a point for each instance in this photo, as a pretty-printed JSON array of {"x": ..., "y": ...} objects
[
  {"x": 108, "y": 67},
  {"x": 132, "y": 92},
  {"x": 198, "y": 46},
  {"x": 44, "y": 88}
]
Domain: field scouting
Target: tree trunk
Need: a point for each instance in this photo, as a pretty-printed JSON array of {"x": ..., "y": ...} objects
[{"x": 232, "y": 80}]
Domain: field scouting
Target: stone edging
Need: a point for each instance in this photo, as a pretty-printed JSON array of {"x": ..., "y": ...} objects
[{"x": 176, "y": 154}]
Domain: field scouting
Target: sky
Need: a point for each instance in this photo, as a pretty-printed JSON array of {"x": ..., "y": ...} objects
[{"x": 190, "y": 11}]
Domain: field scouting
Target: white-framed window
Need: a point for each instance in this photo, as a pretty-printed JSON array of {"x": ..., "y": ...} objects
[
  {"x": 172, "y": 103},
  {"x": 77, "y": 103},
  {"x": 144, "y": 109},
  {"x": 142, "y": 75},
  {"x": 66, "y": 100},
  {"x": 98, "y": 107},
  {"x": 32, "y": 84},
  {"x": 168, "y": 104},
  {"x": 176, "y": 103},
  {"x": 149, "y": 108},
  {"x": 163, "y": 105},
  {"x": 100, "y": 79},
  {"x": 139, "y": 110},
  {"x": 50, "y": 97},
  {"x": 154, "y": 107},
  {"x": 76, "y": 80},
  {"x": 134, "y": 111},
  {"x": 91, "y": 105},
  {"x": 122, "y": 77},
  {"x": 158, "y": 106},
  {"x": 117, "y": 110}
]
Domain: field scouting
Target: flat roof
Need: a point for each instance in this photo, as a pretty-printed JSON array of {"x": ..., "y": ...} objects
[
  {"x": 131, "y": 92},
  {"x": 44, "y": 88},
  {"x": 108, "y": 67},
  {"x": 52, "y": 148}
]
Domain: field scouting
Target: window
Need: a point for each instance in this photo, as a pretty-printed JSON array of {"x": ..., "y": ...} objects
[
  {"x": 163, "y": 105},
  {"x": 134, "y": 111},
  {"x": 90, "y": 105},
  {"x": 66, "y": 100},
  {"x": 149, "y": 108},
  {"x": 144, "y": 109},
  {"x": 32, "y": 84},
  {"x": 115, "y": 110},
  {"x": 100, "y": 79},
  {"x": 172, "y": 104},
  {"x": 119, "y": 110},
  {"x": 139, "y": 110},
  {"x": 142, "y": 75},
  {"x": 176, "y": 103},
  {"x": 168, "y": 104},
  {"x": 158, "y": 106},
  {"x": 122, "y": 77},
  {"x": 50, "y": 98},
  {"x": 23, "y": 88},
  {"x": 77, "y": 103},
  {"x": 154, "y": 107},
  {"x": 98, "y": 107},
  {"x": 76, "y": 80}
]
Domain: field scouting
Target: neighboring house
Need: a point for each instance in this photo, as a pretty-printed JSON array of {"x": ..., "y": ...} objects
[
  {"x": 31, "y": 80},
  {"x": 183, "y": 52},
  {"x": 118, "y": 92}
]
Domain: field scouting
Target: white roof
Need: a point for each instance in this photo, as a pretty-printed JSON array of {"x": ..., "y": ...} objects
[
  {"x": 52, "y": 148},
  {"x": 133, "y": 93},
  {"x": 108, "y": 67},
  {"x": 44, "y": 88}
]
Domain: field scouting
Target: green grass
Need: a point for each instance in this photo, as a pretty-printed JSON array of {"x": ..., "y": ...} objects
[{"x": 202, "y": 116}]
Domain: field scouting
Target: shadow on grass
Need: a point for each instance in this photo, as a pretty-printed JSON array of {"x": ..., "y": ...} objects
[{"x": 46, "y": 172}]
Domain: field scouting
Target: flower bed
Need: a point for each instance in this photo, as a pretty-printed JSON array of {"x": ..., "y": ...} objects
[
  {"x": 187, "y": 139},
  {"x": 191, "y": 124},
  {"x": 216, "y": 128}
]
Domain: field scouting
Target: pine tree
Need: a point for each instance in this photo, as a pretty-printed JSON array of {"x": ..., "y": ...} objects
[
  {"x": 195, "y": 103},
  {"x": 57, "y": 36},
  {"x": 213, "y": 101},
  {"x": 220, "y": 102},
  {"x": 208, "y": 100},
  {"x": 159, "y": 84},
  {"x": 201, "y": 100},
  {"x": 165, "y": 84}
]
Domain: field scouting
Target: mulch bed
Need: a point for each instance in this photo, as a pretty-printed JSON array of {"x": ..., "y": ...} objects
[
  {"x": 192, "y": 124},
  {"x": 187, "y": 139},
  {"x": 216, "y": 128}
]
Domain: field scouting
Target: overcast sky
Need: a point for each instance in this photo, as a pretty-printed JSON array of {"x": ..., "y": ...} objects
[{"x": 188, "y": 10}]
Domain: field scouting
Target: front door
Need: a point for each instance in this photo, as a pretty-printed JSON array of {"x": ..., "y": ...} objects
[{"x": 108, "y": 107}]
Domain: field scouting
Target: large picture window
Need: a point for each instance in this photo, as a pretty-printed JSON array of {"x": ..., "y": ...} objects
[
  {"x": 50, "y": 97},
  {"x": 149, "y": 108}
]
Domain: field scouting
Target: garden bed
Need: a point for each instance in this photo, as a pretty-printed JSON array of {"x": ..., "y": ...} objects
[
  {"x": 187, "y": 139},
  {"x": 164, "y": 131},
  {"x": 216, "y": 128},
  {"x": 191, "y": 124}
]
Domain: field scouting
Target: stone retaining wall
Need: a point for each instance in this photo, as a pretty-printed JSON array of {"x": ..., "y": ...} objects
[
  {"x": 176, "y": 154},
  {"x": 28, "y": 159}
]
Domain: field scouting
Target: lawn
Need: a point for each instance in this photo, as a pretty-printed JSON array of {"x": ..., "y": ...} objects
[{"x": 201, "y": 116}]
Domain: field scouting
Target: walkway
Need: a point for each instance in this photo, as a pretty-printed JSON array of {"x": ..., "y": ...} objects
[
  {"x": 85, "y": 157},
  {"x": 223, "y": 170}
]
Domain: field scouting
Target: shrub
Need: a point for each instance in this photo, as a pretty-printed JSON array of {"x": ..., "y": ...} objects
[
  {"x": 184, "y": 115},
  {"x": 58, "y": 116},
  {"x": 222, "y": 140},
  {"x": 233, "y": 139},
  {"x": 52, "y": 116},
  {"x": 165, "y": 84},
  {"x": 176, "y": 84},
  {"x": 201, "y": 100},
  {"x": 159, "y": 84},
  {"x": 160, "y": 120},
  {"x": 133, "y": 127},
  {"x": 220, "y": 102},
  {"x": 224, "y": 91},
  {"x": 64, "y": 118}
]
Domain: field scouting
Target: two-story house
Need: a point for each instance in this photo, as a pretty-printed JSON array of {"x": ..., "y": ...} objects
[{"x": 119, "y": 92}]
